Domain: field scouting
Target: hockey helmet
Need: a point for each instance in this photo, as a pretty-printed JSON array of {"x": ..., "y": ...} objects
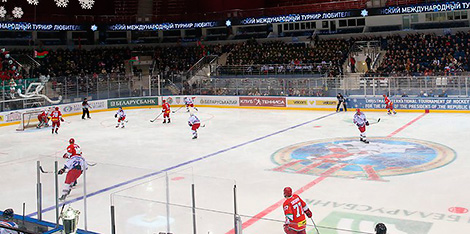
[
  {"x": 384, "y": 95},
  {"x": 72, "y": 141},
  {"x": 358, "y": 110},
  {"x": 380, "y": 228},
  {"x": 163, "y": 100},
  {"x": 287, "y": 192},
  {"x": 56, "y": 108},
  {"x": 8, "y": 213}
]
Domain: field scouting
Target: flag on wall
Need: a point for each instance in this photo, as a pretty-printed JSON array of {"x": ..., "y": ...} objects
[
  {"x": 134, "y": 59},
  {"x": 40, "y": 54}
]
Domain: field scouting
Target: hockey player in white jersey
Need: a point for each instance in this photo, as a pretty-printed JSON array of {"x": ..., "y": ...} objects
[
  {"x": 74, "y": 167},
  {"x": 7, "y": 220},
  {"x": 189, "y": 103},
  {"x": 361, "y": 122},
  {"x": 121, "y": 116},
  {"x": 194, "y": 123}
]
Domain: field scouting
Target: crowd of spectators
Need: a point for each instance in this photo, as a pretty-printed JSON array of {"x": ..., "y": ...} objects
[
  {"x": 284, "y": 54},
  {"x": 178, "y": 59},
  {"x": 425, "y": 54},
  {"x": 64, "y": 62}
]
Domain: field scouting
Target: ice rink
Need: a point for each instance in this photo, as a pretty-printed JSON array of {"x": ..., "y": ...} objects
[{"x": 412, "y": 176}]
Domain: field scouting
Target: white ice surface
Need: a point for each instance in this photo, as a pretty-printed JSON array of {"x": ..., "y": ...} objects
[{"x": 239, "y": 143}]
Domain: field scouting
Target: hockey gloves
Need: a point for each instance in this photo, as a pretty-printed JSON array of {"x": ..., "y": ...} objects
[
  {"x": 367, "y": 123},
  {"x": 308, "y": 213},
  {"x": 61, "y": 171}
]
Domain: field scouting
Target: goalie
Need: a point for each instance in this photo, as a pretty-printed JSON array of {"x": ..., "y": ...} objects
[{"x": 43, "y": 118}]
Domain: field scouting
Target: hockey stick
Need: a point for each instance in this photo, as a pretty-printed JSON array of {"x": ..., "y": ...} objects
[
  {"x": 177, "y": 110},
  {"x": 42, "y": 170},
  {"x": 91, "y": 164},
  {"x": 378, "y": 120},
  {"x": 153, "y": 120},
  {"x": 314, "y": 225}
]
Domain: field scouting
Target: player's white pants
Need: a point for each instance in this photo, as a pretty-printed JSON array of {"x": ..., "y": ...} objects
[
  {"x": 67, "y": 189},
  {"x": 363, "y": 135}
]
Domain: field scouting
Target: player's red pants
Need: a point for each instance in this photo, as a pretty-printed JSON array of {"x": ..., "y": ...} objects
[
  {"x": 166, "y": 114},
  {"x": 42, "y": 118},
  {"x": 55, "y": 124},
  {"x": 287, "y": 230},
  {"x": 72, "y": 176},
  {"x": 362, "y": 128},
  {"x": 389, "y": 106},
  {"x": 190, "y": 105},
  {"x": 121, "y": 119},
  {"x": 195, "y": 126}
]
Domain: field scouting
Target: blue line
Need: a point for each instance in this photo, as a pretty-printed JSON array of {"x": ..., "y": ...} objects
[{"x": 183, "y": 164}]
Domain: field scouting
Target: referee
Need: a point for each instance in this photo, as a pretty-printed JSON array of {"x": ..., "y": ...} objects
[
  {"x": 85, "y": 107},
  {"x": 341, "y": 100}
]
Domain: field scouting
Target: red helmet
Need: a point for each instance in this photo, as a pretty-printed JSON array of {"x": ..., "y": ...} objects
[
  {"x": 71, "y": 141},
  {"x": 56, "y": 108},
  {"x": 384, "y": 95},
  {"x": 287, "y": 192},
  {"x": 164, "y": 101},
  {"x": 358, "y": 110}
]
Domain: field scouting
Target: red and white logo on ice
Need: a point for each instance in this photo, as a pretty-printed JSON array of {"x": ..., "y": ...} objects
[{"x": 263, "y": 101}]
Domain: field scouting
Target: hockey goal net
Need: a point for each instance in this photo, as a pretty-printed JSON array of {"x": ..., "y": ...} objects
[{"x": 29, "y": 119}]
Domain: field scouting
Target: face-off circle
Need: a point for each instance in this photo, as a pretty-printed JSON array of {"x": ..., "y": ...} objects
[{"x": 348, "y": 157}]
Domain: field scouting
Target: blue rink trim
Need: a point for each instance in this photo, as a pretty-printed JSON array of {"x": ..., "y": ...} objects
[{"x": 184, "y": 163}]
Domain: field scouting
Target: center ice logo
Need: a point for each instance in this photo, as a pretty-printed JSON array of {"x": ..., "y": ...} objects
[{"x": 347, "y": 157}]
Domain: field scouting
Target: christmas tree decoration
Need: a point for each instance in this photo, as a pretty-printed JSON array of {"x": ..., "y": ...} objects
[
  {"x": 3, "y": 12},
  {"x": 17, "y": 12},
  {"x": 62, "y": 3},
  {"x": 33, "y": 2},
  {"x": 87, "y": 4}
]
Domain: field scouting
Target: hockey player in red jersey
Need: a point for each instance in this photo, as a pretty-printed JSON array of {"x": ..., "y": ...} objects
[
  {"x": 295, "y": 210},
  {"x": 56, "y": 118},
  {"x": 121, "y": 116},
  {"x": 389, "y": 105},
  {"x": 361, "y": 122},
  {"x": 166, "y": 111},
  {"x": 74, "y": 167},
  {"x": 43, "y": 119},
  {"x": 72, "y": 149}
]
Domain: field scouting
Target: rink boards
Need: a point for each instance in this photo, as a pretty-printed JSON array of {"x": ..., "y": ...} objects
[{"x": 407, "y": 104}]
